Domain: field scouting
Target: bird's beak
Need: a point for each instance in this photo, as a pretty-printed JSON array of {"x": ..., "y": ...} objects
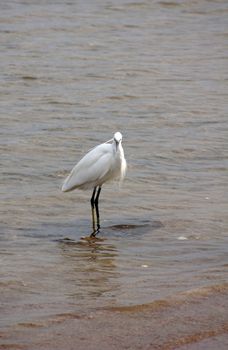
[{"x": 117, "y": 144}]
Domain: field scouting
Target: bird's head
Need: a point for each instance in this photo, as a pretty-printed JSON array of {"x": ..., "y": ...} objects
[{"x": 117, "y": 137}]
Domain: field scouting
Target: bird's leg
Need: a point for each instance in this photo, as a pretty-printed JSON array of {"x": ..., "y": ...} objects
[
  {"x": 97, "y": 208},
  {"x": 93, "y": 211}
]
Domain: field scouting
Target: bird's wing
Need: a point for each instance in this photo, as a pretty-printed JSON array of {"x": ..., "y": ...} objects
[{"x": 92, "y": 167}]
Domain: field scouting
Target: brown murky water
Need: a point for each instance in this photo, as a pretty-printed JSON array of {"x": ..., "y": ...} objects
[{"x": 73, "y": 73}]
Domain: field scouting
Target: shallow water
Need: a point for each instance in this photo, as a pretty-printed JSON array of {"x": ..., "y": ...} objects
[{"x": 73, "y": 73}]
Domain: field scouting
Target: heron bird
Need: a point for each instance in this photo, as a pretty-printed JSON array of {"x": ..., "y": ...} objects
[{"x": 103, "y": 163}]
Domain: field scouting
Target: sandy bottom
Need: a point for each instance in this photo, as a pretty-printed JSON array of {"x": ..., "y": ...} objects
[{"x": 197, "y": 319}]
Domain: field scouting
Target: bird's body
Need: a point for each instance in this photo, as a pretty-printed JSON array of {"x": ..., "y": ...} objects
[{"x": 103, "y": 163}]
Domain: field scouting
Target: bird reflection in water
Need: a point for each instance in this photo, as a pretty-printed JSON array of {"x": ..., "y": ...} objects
[{"x": 90, "y": 268}]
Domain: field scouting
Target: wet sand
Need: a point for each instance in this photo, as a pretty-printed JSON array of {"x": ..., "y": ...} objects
[{"x": 197, "y": 319}]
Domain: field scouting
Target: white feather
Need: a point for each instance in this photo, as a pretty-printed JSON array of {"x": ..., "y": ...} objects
[{"x": 103, "y": 163}]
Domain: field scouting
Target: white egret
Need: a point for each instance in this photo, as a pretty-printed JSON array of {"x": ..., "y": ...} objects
[{"x": 103, "y": 163}]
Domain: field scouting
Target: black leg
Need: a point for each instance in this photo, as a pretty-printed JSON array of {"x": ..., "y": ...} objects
[
  {"x": 97, "y": 208},
  {"x": 92, "y": 201},
  {"x": 94, "y": 206}
]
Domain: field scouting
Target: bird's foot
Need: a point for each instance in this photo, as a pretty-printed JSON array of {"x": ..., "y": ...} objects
[
  {"x": 94, "y": 233},
  {"x": 93, "y": 237}
]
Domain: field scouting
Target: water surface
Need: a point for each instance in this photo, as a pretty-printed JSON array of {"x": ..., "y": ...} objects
[{"x": 73, "y": 73}]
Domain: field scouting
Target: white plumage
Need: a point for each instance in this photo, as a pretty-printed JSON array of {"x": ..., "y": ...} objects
[{"x": 103, "y": 163}]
